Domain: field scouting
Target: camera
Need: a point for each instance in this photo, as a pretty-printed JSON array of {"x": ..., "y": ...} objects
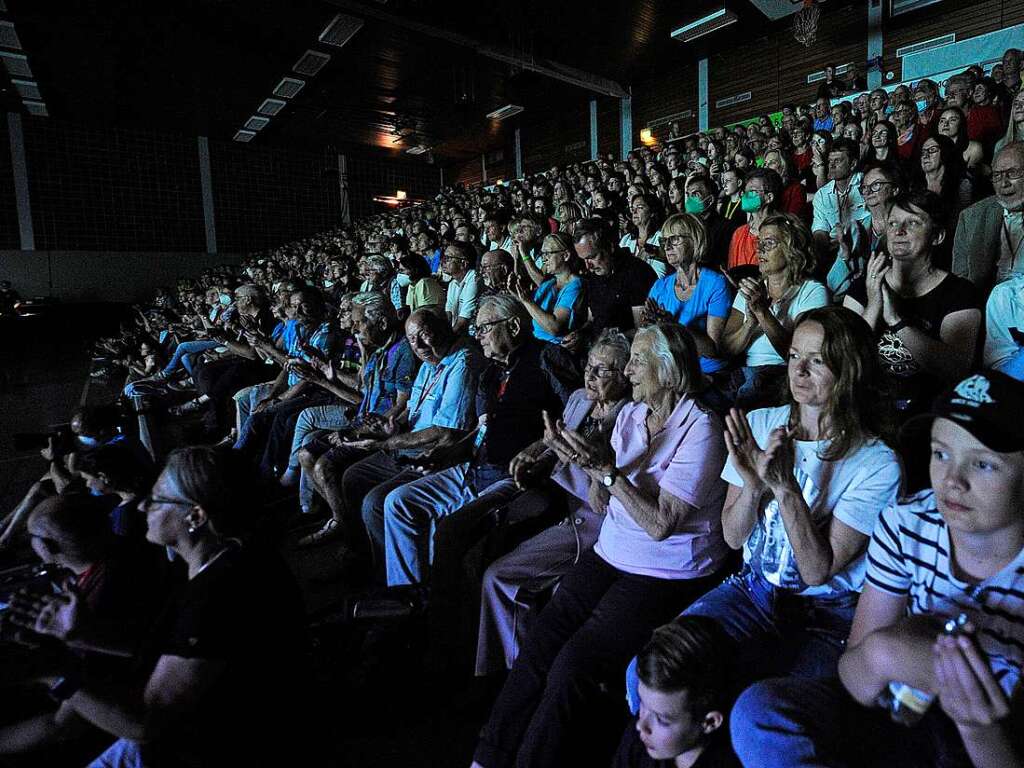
[
  {"x": 37, "y": 578},
  {"x": 37, "y": 441}
]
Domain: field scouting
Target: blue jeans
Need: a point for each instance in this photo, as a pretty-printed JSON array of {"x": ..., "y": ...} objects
[
  {"x": 183, "y": 355},
  {"x": 776, "y": 632},
  {"x": 123, "y": 753},
  {"x": 800, "y": 723}
]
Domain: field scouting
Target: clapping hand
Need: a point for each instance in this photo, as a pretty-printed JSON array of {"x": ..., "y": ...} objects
[
  {"x": 967, "y": 689},
  {"x": 878, "y": 267},
  {"x": 653, "y": 313},
  {"x": 758, "y": 468},
  {"x": 570, "y": 446},
  {"x": 61, "y": 615},
  {"x": 755, "y": 295}
]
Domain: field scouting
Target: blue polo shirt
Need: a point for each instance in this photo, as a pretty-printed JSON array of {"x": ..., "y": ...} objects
[
  {"x": 322, "y": 339},
  {"x": 444, "y": 393},
  {"x": 712, "y": 296},
  {"x": 388, "y": 371}
]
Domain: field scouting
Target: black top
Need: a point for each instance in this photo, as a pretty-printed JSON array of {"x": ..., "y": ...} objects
[
  {"x": 912, "y": 387},
  {"x": 720, "y": 231},
  {"x": 245, "y": 611},
  {"x": 512, "y": 397},
  {"x": 633, "y": 754},
  {"x": 612, "y": 297}
]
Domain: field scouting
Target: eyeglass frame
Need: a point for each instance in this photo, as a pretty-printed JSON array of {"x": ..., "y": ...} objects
[
  {"x": 998, "y": 176},
  {"x": 483, "y": 329},
  {"x": 602, "y": 374}
]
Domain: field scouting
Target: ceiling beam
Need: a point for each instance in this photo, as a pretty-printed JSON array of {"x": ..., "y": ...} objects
[{"x": 552, "y": 69}]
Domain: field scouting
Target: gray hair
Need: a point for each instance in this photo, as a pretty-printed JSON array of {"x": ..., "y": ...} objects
[
  {"x": 376, "y": 306},
  {"x": 507, "y": 307},
  {"x": 616, "y": 341},
  {"x": 378, "y": 263},
  {"x": 676, "y": 358}
]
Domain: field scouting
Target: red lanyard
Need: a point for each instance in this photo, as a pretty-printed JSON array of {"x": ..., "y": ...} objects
[{"x": 426, "y": 390}]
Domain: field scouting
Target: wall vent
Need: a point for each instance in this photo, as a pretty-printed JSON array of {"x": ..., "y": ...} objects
[
  {"x": 908, "y": 6},
  {"x": 9, "y": 36},
  {"x": 256, "y": 123},
  {"x": 17, "y": 64},
  {"x": 505, "y": 112},
  {"x": 705, "y": 25},
  {"x": 27, "y": 89},
  {"x": 684, "y": 115},
  {"x": 311, "y": 63},
  {"x": 340, "y": 30},
  {"x": 271, "y": 107},
  {"x": 289, "y": 87},
  {"x": 815, "y": 77},
  {"x": 739, "y": 98},
  {"x": 926, "y": 45},
  {"x": 245, "y": 136},
  {"x": 36, "y": 108}
]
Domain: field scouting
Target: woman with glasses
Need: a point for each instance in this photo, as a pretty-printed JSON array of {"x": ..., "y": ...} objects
[
  {"x": 552, "y": 295},
  {"x": 660, "y": 545},
  {"x": 953, "y": 123},
  {"x": 925, "y": 320},
  {"x": 759, "y": 327},
  {"x": 882, "y": 143},
  {"x": 696, "y": 295},
  {"x": 513, "y": 582},
  {"x": 213, "y": 651},
  {"x": 942, "y": 171}
]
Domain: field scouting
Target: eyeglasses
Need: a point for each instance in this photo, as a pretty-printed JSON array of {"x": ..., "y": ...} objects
[
  {"x": 548, "y": 253},
  {"x": 873, "y": 187},
  {"x": 883, "y": 134},
  {"x": 929, "y": 151},
  {"x": 766, "y": 244},
  {"x": 674, "y": 241},
  {"x": 149, "y": 501},
  {"x": 1013, "y": 174},
  {"x": 482, "y": 329},
  {"x": 599, "y": 372}
]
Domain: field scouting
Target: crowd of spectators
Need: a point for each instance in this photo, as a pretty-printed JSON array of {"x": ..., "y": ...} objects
[{"x": 739, "y": 421}]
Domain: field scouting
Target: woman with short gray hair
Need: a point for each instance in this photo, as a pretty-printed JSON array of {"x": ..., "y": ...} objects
[{"x": 660, "y": 547}]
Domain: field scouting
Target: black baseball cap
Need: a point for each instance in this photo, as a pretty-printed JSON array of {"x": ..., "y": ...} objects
[{"x": 989, "y": 405}]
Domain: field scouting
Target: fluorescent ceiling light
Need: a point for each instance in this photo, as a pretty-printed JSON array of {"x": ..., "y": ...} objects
[
  {"x": 27, "y": 89},
  {"x": 245, "y": 136},
  {"x": 256, "y": 123},
  {"x": 505, "y": 112},
  {"x": 705, "y": 25},
  {"x": 36, "y": 108},
  {"x": 271, "y": 107},
  {"x": 17, "y": 64},
  {"x": 289, "y": 87}
]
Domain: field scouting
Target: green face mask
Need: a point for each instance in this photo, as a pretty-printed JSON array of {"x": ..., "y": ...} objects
[
  {"x": 694, "y": 204},
  {"x": 751, "y": 202}
]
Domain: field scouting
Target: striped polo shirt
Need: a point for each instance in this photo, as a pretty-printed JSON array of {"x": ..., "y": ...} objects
[{"x": 909, "y": 555}]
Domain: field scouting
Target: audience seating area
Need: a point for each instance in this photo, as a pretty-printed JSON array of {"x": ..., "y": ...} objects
[{"x": 711, "y": 456}]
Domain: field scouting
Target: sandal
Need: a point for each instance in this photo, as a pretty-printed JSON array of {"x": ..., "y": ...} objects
[{"x": 331, "y": 529}]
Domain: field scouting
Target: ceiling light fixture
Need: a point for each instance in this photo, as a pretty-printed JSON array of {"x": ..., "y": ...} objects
[
  {"x": 705, "y": 25},
  {"x": 505, "y": 112},
  {"x": 289, "y": 87}
]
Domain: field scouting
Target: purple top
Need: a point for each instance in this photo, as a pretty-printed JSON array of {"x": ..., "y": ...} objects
[{"x": 685, "y": 459}]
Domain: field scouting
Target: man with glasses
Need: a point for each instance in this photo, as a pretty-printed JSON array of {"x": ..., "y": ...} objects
[
  {"x": 463, "y": 288},
  {"x": 989, "y": 242},
  {"x": 472, "y": 479}
]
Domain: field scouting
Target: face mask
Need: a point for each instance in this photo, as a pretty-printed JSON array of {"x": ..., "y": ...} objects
[
  {"x": 88, "y": 441},
  {"x": 403, "y": 280},
  {"x": 751, "y": 202},
  {"x": 274, "y": 287},
  {"x": 328, "y": 283},
  {"x": 922, "y": 105},
  {"x": 694, "y": 204},
  {"x": 225, "y": 299}
]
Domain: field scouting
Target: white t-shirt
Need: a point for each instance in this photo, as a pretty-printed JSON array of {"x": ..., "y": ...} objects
[
  {"x": 1003, "y": 312},
  {"x": 810, "y": 295},
  {"x": 854, "y": 490},
  {"x": 628, "y": 242},
  {"x": 909, "y": 556}
]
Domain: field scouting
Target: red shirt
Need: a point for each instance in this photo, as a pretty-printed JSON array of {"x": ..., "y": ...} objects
[
  {"x": 742, "y": 248},
  {"x": 985, "y": 125},
  {"x": 794, "y": 200},
  {"x": 803, "y": 159}
]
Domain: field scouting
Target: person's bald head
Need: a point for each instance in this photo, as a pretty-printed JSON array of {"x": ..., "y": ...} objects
[
  {"x": 72, "y": 530},
  {"x": 429, "y": 335}
]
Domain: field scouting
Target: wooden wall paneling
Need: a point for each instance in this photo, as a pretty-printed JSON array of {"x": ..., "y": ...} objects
[
  {"x": 753, "y": 67},
  {"x": 609, "y": 126},
  {"x": 842, "y": 38},
  {"x": 966, "y": 18},
  {"x": 556, "y": 132},
  {"x": 1013, "y": 13},
  {"x": 662, "y": 93},
  {"x": 468, "y": 172}
]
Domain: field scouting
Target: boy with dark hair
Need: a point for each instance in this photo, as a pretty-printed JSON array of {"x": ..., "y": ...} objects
[
  {"x": 684, "y": 696},
  {"x": 938, "y": 637}
]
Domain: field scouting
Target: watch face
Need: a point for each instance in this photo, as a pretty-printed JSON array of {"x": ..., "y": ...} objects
[{"x": 609, "y": 480}]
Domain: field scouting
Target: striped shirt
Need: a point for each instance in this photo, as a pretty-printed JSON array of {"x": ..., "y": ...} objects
[{"x": 909, "y": 555}]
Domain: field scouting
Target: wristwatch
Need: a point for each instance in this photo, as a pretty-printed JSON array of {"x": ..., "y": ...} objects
[
  {"x": 65, "y": 687},
  {"x": 610, "y": 477}
]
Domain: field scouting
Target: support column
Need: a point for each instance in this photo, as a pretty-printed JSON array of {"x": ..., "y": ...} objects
[
  {"x": 874, "y": 41},
  {"x": 519, "y": 153},
  {"x": 483, "y": 167},
  {"x": 593, "y": 129},
  {"x": 346, "y": 208},
  {"x": 702, "y": 95},
  {"x": 626, "y": 120},
  {"x": 19, "y": 165},
  {"x": 206, "y": 182}
]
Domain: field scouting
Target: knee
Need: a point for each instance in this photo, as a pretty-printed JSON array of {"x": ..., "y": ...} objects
[
  {"x": 574, "y": 664},
  {"x": 306, "y": 459},
  {"x": 323, "y": 470}
]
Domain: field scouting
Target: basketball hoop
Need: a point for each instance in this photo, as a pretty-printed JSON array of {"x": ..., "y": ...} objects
[{"x": 805, "y": 24}]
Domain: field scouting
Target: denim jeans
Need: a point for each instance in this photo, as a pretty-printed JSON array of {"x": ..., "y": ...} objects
[
  {"x": 800, "y": 723},
  {"x": 183, "y": 354},
  {"x": 331, "y": 417},
  {"x": 412, "y": 510},
  {"x": 776, "y": 632},
  {"x": 123, "y": 753}
]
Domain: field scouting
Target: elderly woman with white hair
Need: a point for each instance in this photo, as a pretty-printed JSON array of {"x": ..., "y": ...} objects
[{"x": 660, "y": 547}]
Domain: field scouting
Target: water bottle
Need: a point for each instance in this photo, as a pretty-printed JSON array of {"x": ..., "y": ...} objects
[{"x": 906, "y": 704}]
